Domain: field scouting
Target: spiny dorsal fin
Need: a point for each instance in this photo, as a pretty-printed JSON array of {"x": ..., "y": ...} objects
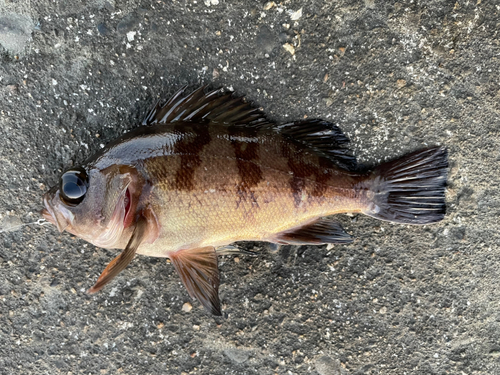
[{"x": 213, "y": 106}]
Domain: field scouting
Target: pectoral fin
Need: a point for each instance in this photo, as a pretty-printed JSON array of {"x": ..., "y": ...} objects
[
  {"x": 322, "y": 231},
  {"x": 200, "y": 275},
  {"x": 121, "y": 261}
]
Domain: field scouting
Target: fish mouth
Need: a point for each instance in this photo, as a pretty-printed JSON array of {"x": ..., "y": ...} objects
[
  {"x": 48, "y": 213},
  {"x": 47, "y": 216}
]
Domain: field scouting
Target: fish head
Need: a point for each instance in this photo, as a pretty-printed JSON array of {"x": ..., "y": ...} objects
[{"x": 92, "y": 204}]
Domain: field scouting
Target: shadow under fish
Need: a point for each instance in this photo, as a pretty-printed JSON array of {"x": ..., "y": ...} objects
[{"x": 208, "y": 169}]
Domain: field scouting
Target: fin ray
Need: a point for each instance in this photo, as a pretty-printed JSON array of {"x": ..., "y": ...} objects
[
  {"x": 121, "y": 261},
  {"x": 199, "y": 106},
  {"x": 198, "y": 271},
  {"x": 321, "y": 231},
  {"x": 411, "y": 190},
  {"x": 233, "y": 250},
  {"x": 322, "y": 137}
]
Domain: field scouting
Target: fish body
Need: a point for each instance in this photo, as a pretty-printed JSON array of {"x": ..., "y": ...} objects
[
  {"x": 207, "y": 169},
  {"x": 214, "y": 194}
]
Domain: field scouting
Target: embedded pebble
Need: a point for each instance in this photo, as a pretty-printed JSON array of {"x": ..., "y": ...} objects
[
  {"x": 266, "y": 40},
  {"x": 15, "y": 31},
  {"x": 103, "y": 30},
  {"x": 328, "y": 366},
  {"x": 127, "y": 23},
  {"x": 237, "y": 355}
]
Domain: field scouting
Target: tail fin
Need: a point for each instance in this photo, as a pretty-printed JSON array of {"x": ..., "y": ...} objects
[{"x": 410, "y": 190}]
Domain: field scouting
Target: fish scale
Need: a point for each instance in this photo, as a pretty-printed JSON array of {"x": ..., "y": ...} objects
[
  {"x": 207, "y": 169},
  {"x": 251, "y": 210}
]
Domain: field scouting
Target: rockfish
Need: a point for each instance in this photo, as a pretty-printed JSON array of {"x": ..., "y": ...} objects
[{"x": 208, "y": 169}]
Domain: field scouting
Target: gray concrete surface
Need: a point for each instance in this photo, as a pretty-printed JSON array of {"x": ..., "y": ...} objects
[{"x": 395, "y": 76}]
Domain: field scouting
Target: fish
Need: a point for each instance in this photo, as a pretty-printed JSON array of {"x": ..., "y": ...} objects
[{"x": 208, "y": 169}]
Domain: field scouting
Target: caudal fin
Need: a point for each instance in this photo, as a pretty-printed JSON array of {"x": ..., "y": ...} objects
[{"x": 410, "y": 190}]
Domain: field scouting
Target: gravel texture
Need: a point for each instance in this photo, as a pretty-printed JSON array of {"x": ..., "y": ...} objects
[{"x": 395, "y": 76}]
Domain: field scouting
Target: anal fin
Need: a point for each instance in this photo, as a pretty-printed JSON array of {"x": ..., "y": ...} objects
[
  {"x": 233, "y": 250},
  {"x": 200, "y": 275},
  {"x": 322, "y": 231},
  {"x": 122, "y": 261}
]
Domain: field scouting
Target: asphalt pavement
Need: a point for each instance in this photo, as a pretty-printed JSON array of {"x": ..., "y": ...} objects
[{"x": 395, "y": 76}]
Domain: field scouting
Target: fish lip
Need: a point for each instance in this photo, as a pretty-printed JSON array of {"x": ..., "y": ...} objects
[{"x": 49, "y": 215}]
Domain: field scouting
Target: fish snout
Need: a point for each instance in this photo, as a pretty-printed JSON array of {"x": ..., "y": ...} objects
[{"x": 49, "y": 215}]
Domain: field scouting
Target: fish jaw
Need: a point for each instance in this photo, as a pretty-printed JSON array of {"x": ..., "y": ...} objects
[
  {"x": 61, "y": 220},
  {"x": 48, "y": 216}
]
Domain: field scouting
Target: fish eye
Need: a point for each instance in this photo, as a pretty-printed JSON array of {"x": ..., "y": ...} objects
[{"x": 74, "y": 184}]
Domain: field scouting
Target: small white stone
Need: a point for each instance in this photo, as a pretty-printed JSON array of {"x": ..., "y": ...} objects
[
  {"x": 131, "y": 35},
  {"x": 289, "y": 48},
  {"x": 269, "y": 5},
  {"x": 296, "y": 15},
  {"x": 187, "y": 307}
]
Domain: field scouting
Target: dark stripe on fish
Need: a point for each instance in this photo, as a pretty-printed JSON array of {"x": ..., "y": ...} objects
[
  {"x": 189, "y": 147},
  {"x": 302, "y": 170},
  {"x": 297, "y": 182},
  {"x": 322, "y": 176},
  {"x": 297, "y": 167},
  {"x": 246, "y": 150}
]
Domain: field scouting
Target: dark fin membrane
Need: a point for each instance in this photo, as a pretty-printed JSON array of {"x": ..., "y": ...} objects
[
  {"x": 322, "y": 231},
  {"x": 200, "y": 275},
  {"x": 211, "y": 107},
  {"x": 217, "y": 107},
  {"x": 322, "y": 137},
  {"x": 411, "y": 190},
  {"x": 118, "y": 264}
]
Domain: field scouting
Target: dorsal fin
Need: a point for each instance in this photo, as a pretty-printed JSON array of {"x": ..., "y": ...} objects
[
  {"x": 217, "y": 107},
  {"x": 322, "y": 137},
  {"x": 212, "y": 107}
]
